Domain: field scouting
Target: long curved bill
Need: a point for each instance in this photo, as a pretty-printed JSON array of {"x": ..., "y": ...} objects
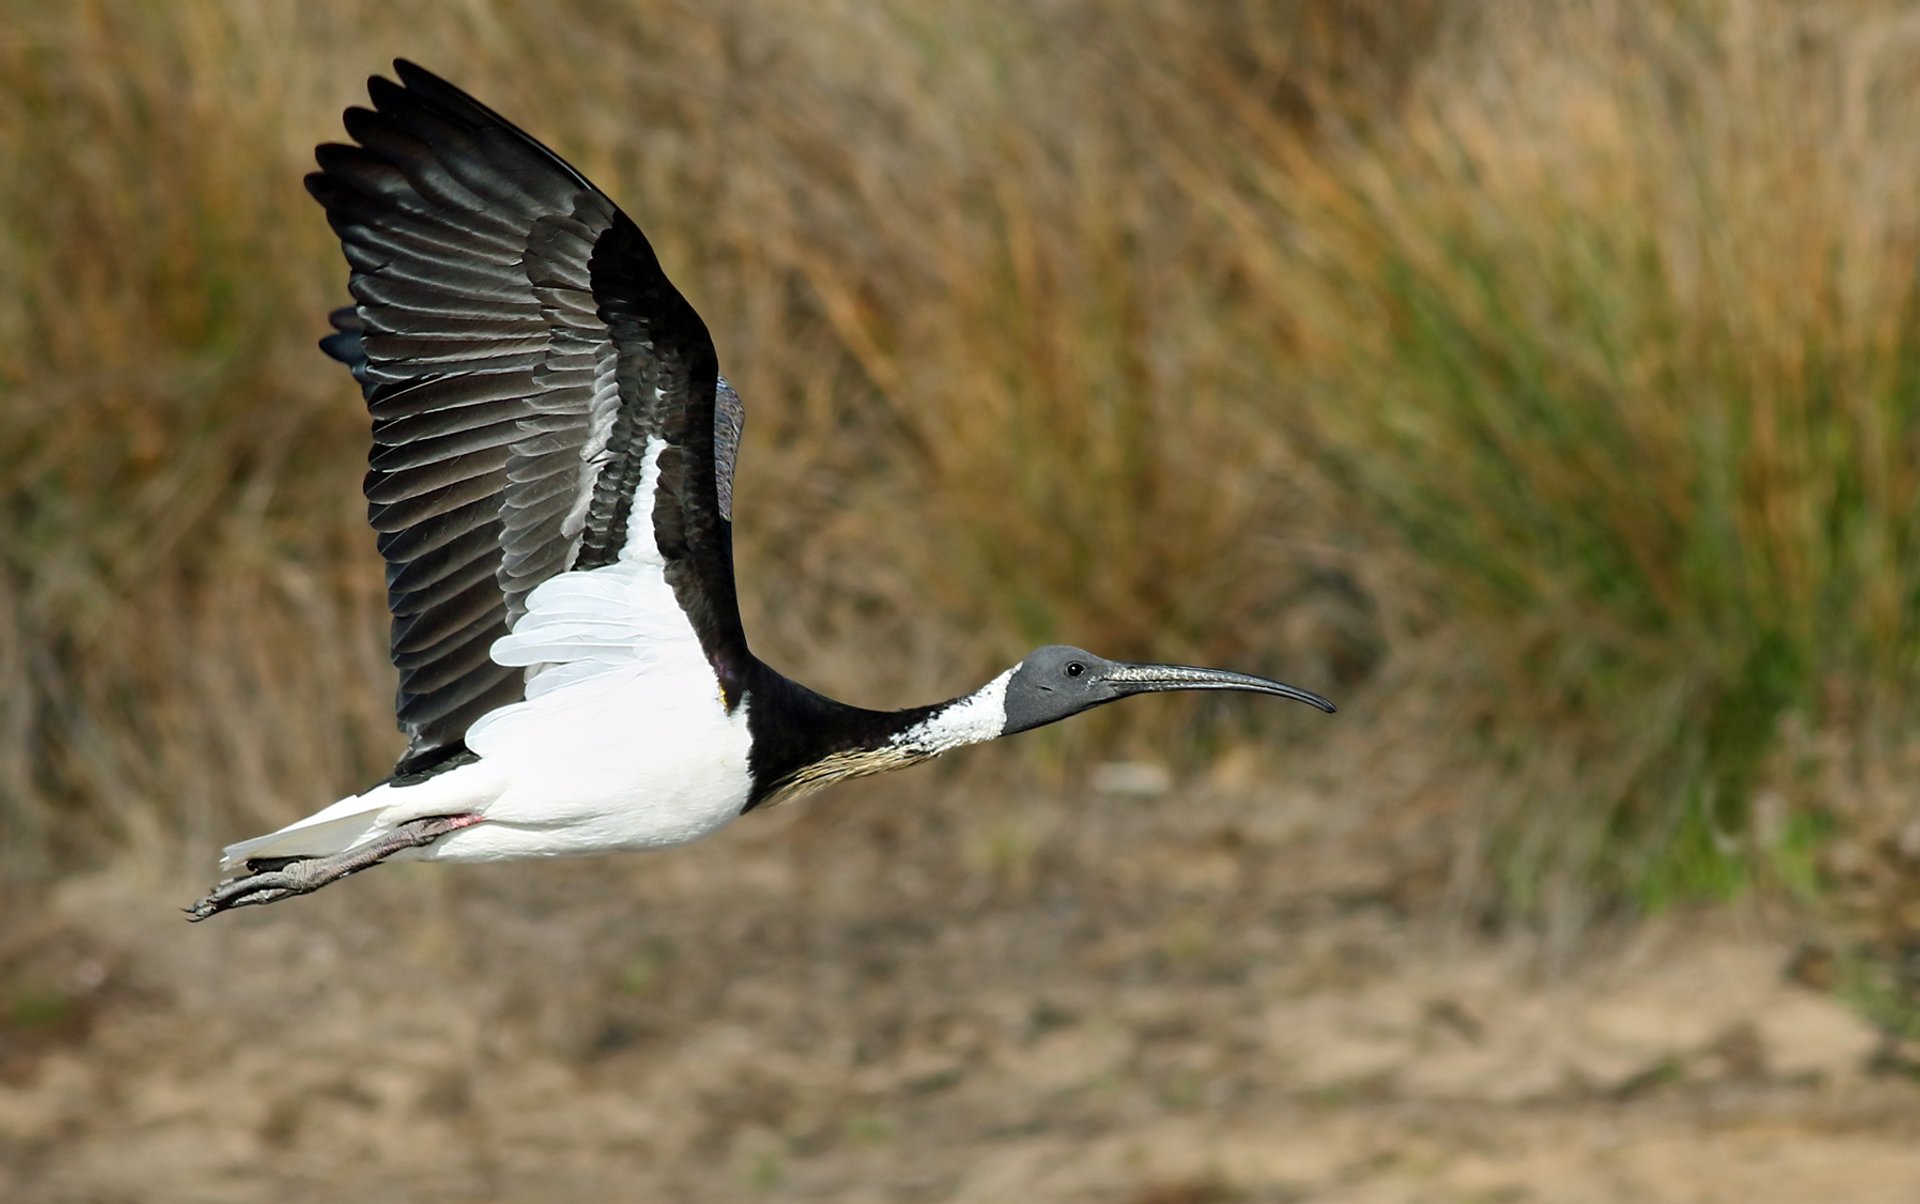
[{"x": 1147, "y": 679}]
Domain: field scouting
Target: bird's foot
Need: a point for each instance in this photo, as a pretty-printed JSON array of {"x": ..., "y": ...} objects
[{"x": 271, "y": 879}]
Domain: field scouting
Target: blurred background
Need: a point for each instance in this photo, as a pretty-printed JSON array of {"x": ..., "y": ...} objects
[{"x": 1542, "y": 382}]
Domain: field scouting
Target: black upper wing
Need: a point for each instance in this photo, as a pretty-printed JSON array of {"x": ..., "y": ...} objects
[{"x": 521, "y": 351}]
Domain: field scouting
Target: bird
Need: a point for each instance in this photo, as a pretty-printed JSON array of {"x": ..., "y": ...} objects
[{"x": 551, "y": 488}]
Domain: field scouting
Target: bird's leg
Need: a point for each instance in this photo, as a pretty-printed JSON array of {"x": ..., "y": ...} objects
[{"x": 270, "y": 880}]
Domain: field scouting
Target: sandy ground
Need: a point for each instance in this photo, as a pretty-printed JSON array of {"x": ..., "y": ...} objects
[{"x": 924, "y": 992}]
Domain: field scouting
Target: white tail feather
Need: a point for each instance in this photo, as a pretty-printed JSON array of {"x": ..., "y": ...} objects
[
  {"x": 330, "y": 830},
  {"x": 358, "y": 818}
]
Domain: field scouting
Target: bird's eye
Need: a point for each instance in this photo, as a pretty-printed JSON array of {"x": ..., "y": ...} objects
[{"x": 1075, "y": 668}]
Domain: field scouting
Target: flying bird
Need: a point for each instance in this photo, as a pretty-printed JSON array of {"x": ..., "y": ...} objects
[{"x": 551, "y": 484}]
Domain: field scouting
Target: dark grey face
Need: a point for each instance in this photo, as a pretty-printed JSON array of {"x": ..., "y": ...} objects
[{"x": 1058, "y": 681}]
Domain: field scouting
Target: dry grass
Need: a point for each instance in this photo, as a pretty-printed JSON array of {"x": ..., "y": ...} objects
[
  {"x": 1613, "y": 337},
  {"x": 1565, "y": 361}
]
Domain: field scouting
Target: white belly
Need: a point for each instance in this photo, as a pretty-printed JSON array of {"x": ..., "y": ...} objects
[
  {"x": 623, "y": 741},
  {"x": 624, "y": 760}
]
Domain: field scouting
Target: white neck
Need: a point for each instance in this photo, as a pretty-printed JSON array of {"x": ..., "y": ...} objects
[{"x": 974, "y": 719}]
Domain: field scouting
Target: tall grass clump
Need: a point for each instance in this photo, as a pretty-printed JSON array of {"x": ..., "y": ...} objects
[{"x": 1611, "y": 338}]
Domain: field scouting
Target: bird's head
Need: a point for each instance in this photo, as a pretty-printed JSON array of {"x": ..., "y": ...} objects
[{"x": 1059, "y": 681}]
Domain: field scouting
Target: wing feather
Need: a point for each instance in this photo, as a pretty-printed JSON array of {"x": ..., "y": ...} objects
[{"x": 533, "y": 379}]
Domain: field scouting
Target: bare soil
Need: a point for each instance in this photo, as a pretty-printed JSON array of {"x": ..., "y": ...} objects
[{"x": 925, "y": 992}]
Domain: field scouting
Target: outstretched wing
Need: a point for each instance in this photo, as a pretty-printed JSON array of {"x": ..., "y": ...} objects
[{"x": 544, "y": 401}]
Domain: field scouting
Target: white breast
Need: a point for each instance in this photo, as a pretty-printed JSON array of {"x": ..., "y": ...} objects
[{"x": 625, "y": 760}]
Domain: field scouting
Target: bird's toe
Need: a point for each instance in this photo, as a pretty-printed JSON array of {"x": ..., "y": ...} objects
[{"x": 244, "y": 891}]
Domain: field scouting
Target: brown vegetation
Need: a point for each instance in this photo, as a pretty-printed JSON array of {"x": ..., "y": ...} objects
[{"x": 1543, "y": 384}]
